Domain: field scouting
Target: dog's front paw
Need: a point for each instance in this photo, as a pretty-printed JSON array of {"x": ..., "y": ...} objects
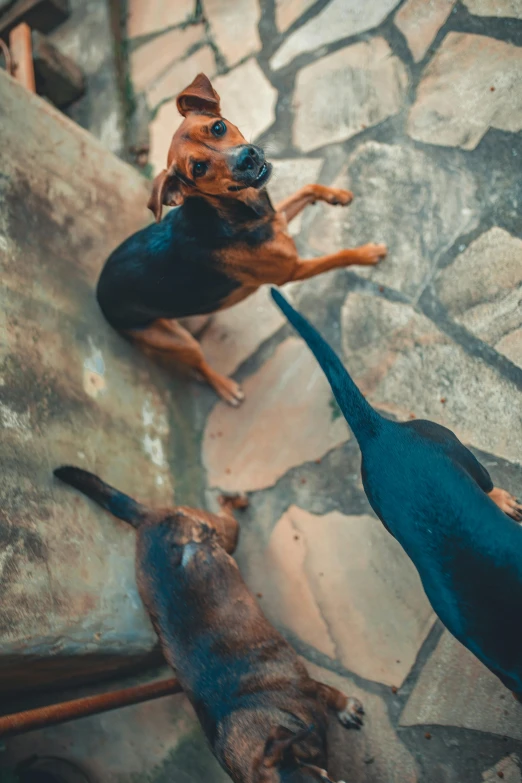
[
  {"x": 351, "y": 716},
  {"x": 239, "y": 500},
  {"x": 371, "y": 254},
  {"x": 337, "y": 196},
  {"x": 507, "y": 503}
]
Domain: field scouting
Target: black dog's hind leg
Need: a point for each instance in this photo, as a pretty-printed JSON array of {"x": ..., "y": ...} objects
[{"x": 462, "y": 456}]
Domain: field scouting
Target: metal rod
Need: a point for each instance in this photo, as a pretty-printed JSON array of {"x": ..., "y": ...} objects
[{"x": 43, "y": 717}]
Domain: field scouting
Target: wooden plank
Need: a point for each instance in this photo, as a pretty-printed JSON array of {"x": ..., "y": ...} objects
[
  {"x": 21, "y": 52},
  {"x": 57, "y": 76},
  {"x": 42, "y": 15}
]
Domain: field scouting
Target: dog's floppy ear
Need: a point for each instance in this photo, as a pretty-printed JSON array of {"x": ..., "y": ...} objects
[
  {"x": 166, "y": 191},
  {"x": 279, "y": 745},
  {"x": 198, "y": 96}
]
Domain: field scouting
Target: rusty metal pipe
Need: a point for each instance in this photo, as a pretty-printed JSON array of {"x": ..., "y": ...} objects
[{"x": 43, "y": 717}]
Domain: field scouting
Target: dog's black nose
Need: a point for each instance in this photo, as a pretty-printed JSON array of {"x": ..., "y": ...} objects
[{"x": 249, "y": 159}]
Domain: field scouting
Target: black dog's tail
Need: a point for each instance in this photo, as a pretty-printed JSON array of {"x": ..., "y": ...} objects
[
  {"x": 362, "y": 418},
  {"x": 122, "y": 506}
]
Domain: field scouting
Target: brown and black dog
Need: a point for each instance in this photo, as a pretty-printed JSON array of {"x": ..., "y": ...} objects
[
  {"x": 264, "y": 717},
  {"x": 223, "y": 241}
]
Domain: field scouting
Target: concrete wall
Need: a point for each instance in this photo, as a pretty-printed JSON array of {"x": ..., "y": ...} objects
[{"x": 72, "y": 391}]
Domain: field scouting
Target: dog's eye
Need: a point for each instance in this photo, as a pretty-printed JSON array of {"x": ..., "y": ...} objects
[
  {"x": 199, "y": 169},
  {"x": 219, "y": 128}
]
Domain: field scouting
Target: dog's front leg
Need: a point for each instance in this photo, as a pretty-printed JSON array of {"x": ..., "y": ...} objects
[
  {"x": 309, "y": 194},
  {"x": 366, "y": 255}
]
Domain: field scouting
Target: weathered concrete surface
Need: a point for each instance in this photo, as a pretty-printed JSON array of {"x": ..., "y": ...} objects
[
  {"x": 455, "y": 689},
  {"x": 340, "y": 95},
  {"x": 71, "y": 392},
  {"x": 506, "y": 8}
]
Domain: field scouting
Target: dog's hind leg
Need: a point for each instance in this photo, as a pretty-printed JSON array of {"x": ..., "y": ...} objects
[
  {"x": 462, "y": 456},
  {"x": 349, "y": 710},
  {"x": 507, "y": 503},
  {"x": 169, "y": 337}
]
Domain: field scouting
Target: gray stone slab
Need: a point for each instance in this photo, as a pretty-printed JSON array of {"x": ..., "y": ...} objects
[
  {"x": 340, "y": 19},
  {"x": 408, "y": 200},
  {"x": 339, "y": 95},
  {"x": 407, "y": 366},
  {"x": 72, "y": 391},
  {"x": 473, "y": 83},
  {"x": 509, "y": 8},
  {"x": 482, "y": 289},
  {"x": 455, "y": 689}
]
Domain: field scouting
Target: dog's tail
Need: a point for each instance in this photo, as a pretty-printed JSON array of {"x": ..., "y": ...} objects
[
  {"x": 122, "y": 506},
  {"x": 362, "y": 418}
]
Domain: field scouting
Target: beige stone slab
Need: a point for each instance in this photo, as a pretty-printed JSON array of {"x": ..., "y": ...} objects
[
  {"x": 344, "y": 586},
  {"x": 508, "y": 769},
  {"x": 149, "y": 61},
  {"x": 234, "y": 27},
  {"x": 405, "y": 198},
  {"x": 482, "y": 289},
  {"x": 420, "y": 21},
  {"x": 180, "y": 75},
  {"x": 509, "y": 8},
  {"x": 339, "y": 95},
  {"x": 288, "y": 11},
  {"x": 455, "y": 689},
  {"x": 455, "y": 104},
  {"x": 286, "y": 420},
  {"x": 235, "y": 334},
  {"x": 151, "y": 16},
  {"x": 407, "y": 366},
  {"x": 288, "y": 176},
  {"x": 351, "y": 752},
  {"x": 247, "y": 99},
  {"x": 340, "y": 19}
]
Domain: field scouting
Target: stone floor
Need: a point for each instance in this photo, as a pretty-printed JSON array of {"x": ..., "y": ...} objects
[{"x": 416, "y": 106}]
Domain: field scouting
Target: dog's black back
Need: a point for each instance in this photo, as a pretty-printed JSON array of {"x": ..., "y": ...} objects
[
  {"x": 174, "y": 268},
  {"x": 429, "y": 491}
]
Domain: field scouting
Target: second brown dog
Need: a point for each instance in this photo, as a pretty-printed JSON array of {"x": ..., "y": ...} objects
[{"x": 264, "y": 716}]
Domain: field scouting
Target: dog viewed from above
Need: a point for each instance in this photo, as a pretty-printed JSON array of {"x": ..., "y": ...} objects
[
  {"x": 264, "y": 717},
  {"x": 439, "y": 502},
  {"x": 223, "y": 241}
]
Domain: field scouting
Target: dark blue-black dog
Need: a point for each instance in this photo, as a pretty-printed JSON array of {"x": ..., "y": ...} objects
[{"x": 439, "y": 502}]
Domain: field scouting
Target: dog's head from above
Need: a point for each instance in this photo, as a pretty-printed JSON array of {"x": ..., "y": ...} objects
[
  {"x": 208, "y": 156},
  {"x": 282, "y": 760}
]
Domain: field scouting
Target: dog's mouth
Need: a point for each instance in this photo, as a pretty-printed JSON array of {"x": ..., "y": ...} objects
[{"x": 263, "y": 176}]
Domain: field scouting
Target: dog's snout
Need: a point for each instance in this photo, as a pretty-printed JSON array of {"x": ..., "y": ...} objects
[{"x": 249, "y": 159}]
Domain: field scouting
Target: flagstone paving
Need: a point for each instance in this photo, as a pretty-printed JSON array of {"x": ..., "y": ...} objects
[{"x": 416, "y": 106}]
